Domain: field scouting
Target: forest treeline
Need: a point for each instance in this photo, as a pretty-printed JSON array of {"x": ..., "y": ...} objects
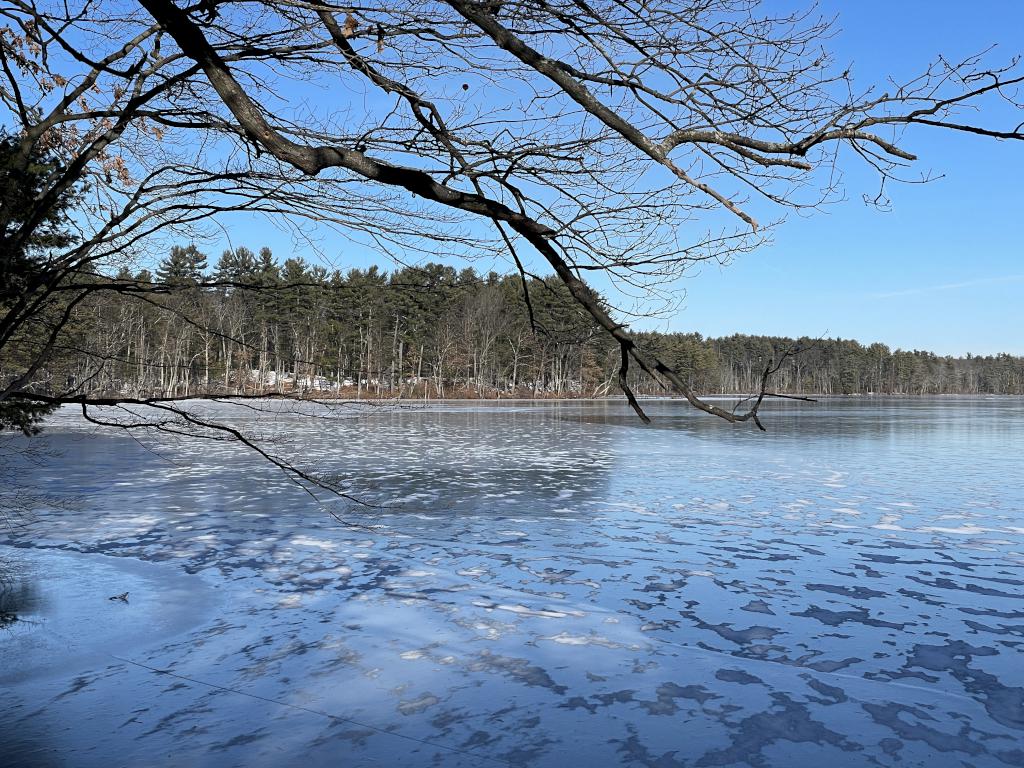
[{"x": 249, "y": 324}]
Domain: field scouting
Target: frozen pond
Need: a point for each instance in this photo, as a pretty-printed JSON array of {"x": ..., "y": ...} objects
[{"x": 547, "y": 585}]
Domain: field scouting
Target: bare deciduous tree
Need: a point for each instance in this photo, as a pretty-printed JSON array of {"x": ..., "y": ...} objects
[{"x": 619, "y": 137}]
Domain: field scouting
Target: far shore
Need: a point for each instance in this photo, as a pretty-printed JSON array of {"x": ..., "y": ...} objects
[{"x": 334, "y": 397}]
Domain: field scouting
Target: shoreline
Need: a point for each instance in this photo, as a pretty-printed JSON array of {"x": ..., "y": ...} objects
[{"x": 307, "y": 398}]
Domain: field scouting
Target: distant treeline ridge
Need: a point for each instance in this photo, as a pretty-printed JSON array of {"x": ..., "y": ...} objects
[{"x": 251, "y": 325}]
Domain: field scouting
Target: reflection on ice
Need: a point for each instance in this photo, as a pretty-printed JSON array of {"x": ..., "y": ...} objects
[{"x": 550, "y": 585}]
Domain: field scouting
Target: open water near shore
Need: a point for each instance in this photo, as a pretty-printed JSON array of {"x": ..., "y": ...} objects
[{"x": 544, "y": 584}]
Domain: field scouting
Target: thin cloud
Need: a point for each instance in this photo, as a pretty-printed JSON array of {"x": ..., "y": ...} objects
[{"x": 950, "y": 286}]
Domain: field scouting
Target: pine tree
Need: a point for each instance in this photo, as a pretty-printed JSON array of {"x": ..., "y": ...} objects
[
  {"x": 236, "y": 265},
  {"x": 26, "y": 241},
  {"x": 182, "y": 265},
  {"x": 267, "y": 269}
]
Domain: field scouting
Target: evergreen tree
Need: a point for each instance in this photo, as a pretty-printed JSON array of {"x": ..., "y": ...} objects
[
  {"x": 236, "y": 265},
  {"x": 182, "y": 265},
  {"x": 26, "y": 245}
]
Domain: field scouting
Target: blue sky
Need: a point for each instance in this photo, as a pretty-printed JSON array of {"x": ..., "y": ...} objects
[{"x": 943, "y": 270}]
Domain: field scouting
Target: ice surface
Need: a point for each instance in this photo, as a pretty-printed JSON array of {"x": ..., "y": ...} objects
[{"x": 545, "y": 585}]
